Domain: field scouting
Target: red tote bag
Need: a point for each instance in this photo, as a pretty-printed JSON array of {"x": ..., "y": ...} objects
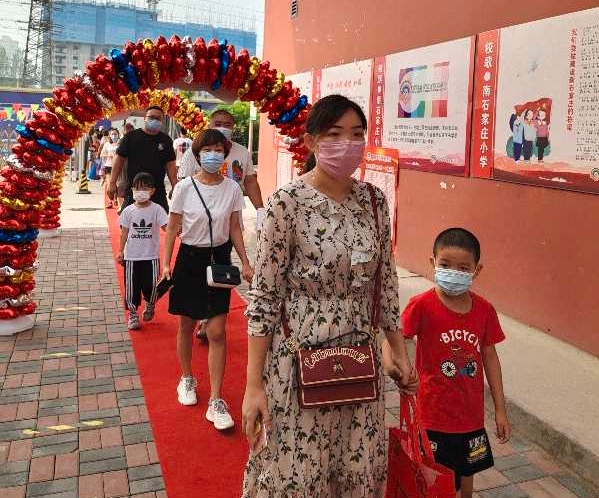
[{"x": 413, "y": 472}]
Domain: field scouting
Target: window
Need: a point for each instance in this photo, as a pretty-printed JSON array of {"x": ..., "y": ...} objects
[
  {"x": 294, "y": 8},
  {"x": 59, "y": 81},
  {"x": 75, "y": 58}
]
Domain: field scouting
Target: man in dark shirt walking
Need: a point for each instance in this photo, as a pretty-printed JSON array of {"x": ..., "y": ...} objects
[{"x": 146, "y": 150}]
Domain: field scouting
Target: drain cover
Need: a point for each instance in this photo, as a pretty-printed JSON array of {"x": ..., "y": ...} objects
[{"x": 86, "y": 209}]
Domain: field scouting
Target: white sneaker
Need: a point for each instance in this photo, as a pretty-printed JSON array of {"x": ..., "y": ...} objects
[
  {"x": 187, "y": 391},
  {"x": 218, "y": 414}
]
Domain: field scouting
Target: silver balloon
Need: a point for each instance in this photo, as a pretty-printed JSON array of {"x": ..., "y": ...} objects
[
  {"x": 22, "y": 300},
  {"x": 7, "y": 271}
]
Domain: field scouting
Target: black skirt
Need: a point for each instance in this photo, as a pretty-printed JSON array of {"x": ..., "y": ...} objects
[{"x": 190, "y": 295}]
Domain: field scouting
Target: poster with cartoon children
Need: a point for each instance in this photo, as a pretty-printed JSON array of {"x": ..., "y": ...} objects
[{"x": 539, "y": 103}]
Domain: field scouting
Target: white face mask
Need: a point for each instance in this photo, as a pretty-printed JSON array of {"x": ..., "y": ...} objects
[
  {"x": 141, "y": 195},
  {"x": 227, "y": 132}
]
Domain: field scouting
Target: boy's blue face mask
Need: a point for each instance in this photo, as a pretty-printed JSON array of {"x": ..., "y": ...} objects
[{"x": 453, "y": 282}]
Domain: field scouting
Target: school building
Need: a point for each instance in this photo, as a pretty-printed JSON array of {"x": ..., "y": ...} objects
[{"x": 540, "y": 245}]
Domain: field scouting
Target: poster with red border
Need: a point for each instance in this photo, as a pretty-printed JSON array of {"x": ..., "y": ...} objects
[
  {"x": 427, "y": 104},
  {"x": 286, "y": 170},
  {"x": 352, "y": 80},
  {"x": 380, "y": 167},
  {"x": 545, "y": 118}
]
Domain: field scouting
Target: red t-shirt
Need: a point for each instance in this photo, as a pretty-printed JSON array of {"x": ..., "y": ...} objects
[{"x": 448, "y": 360}]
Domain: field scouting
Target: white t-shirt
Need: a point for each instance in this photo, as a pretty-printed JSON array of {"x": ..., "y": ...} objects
[
  {"x": 222, "y": 200},
  {"x": 144, "y": 225},
  {"x": 108, "y": 153},
  {"x": 238, "y": 164},
  {"x": 181, "y": 146}
]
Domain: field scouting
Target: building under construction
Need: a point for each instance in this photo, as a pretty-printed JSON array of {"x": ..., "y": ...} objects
[{"x": 84, "y": 28}]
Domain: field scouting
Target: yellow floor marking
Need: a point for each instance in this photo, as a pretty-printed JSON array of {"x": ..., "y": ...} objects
[{"x": 62, "y": 427}]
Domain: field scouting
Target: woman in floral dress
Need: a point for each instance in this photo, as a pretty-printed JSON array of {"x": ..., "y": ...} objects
[{"x": 318, "y": 253}]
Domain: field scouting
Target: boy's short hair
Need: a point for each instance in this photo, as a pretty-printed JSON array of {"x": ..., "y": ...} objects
[
  {"x": 143, "y": 180},
  {"x": 458, "y": 237}
]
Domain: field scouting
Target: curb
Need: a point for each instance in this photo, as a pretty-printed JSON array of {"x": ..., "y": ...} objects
[{"x": 565, "y": 450}]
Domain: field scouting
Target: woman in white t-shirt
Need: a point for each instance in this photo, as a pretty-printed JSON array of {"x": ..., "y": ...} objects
[
  {"x": 191, "y": 298},
  {"x": 107, "y": 154}
]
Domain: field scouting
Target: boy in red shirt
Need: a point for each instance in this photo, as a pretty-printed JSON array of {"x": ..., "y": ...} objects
[{"x": 456, "y": 334}]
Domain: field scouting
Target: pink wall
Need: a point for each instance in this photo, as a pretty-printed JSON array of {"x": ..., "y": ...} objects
[{"x": 540, "y": 246}]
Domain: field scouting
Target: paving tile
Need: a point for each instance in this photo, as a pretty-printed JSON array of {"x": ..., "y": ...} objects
[
  {"x": 41, "y": 469},
  {"x": 576, "y": 486},
  {"x": 66, "y": 465},
  {"x": 116, "y": 484},
  {"x": 510, "y": 491},
  {"x": 511, "y": 462},
  {"x": 91, "y": 486},
  {"x": 49, "y": 488},
  {"x": 14, "y": 492}
]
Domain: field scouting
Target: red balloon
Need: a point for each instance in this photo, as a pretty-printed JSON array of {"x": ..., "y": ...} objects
[
  {"x": 8, "y": 313},
  {"x": 9, "y": 291},
  {"x": 28, "y": 286},
  {"x": 27, "y": 309},
  {"x": 201, "y": 51}
]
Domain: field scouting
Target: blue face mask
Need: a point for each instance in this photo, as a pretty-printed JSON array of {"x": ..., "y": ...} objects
[
  {"x": 153, "y": 124},
  {"x": 212, "y": 161},
  {"x": 453, "y": 282}
]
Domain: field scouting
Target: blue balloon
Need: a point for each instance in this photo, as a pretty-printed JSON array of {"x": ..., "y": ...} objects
[
  {"x": 21, "y": 237},
  {"x": 25, "y": 132},
  {"x": 118, "y": 59}
]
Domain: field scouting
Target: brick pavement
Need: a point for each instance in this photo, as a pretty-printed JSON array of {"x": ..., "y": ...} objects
[
  {"x": 73, "y": 420},
  {"x": 73, "y": 380}
]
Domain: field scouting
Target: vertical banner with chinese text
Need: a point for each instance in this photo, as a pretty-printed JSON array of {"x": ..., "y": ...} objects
[
  {"x": 380, "y": 167},
  {"x": 483, "y": 117}
]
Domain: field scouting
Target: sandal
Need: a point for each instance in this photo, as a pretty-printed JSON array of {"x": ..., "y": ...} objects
[{"x": 109, "y": 205}]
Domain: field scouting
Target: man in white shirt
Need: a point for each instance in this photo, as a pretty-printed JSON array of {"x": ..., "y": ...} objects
[
  {"x": 238, "y": 166},
  {"x": 181, "y": 145}
]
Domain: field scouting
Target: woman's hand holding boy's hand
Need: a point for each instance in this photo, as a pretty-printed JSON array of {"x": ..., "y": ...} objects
[
  {"x": 166, "y": 273},
  {"x": 400, "y": 371},
  {"x": 120, "y": 258}
]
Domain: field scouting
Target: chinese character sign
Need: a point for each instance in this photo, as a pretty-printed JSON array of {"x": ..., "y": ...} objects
[
  {"x": 351, "y": 80},
  {"x": 427, "y": 104},
  {"x": 380, "y": 167},
  {"x": 305, "y": 82},
  {"x": 485, "y": 77},
  {"x": 546, "y": 99}
]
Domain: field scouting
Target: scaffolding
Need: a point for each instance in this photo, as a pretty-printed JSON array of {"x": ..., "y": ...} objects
[{"x": 37, "y": 66}]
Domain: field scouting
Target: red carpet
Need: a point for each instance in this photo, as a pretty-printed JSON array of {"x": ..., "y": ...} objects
[{"x": 196, "y": 459}]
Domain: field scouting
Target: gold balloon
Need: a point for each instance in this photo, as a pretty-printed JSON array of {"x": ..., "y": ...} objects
[
  {"x": 149, "y": 46},
  {"x": 254, "y": 68}
]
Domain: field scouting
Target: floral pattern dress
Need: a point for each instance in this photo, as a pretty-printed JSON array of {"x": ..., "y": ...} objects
[{"x": 320, "y": 257}]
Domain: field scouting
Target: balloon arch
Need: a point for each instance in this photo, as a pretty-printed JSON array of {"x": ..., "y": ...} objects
[{"x": 128, "y": 79}]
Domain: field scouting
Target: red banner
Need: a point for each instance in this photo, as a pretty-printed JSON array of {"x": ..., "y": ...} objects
[
  {"x": 380, "y": 167},
  {"x": 377, "y": 104},
  {"x": 485, "y": 95}
]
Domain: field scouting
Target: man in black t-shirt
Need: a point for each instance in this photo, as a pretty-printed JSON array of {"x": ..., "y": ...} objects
[{"x": 146, "y": 150}]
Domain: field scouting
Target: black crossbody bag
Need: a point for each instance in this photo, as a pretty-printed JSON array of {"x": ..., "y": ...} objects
[{"x": 220, "y": 276}]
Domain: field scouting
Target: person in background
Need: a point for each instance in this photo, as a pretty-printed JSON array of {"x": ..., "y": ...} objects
[
  {"x": 121, "y": 183},
  {"x": 317, "y": 257},
  {"x": 107, "y": 154},
  {"x": 139, "y": 248},
  {"x": 238, "y": 166},
  {"x": 181, "y": 145},
  {"x": 147, "y": 150},
  {"x": 456, "y": 332},
  {"x": 190, "y": 297}
]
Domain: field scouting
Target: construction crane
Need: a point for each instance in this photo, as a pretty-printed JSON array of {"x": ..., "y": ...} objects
[
  {"x": 37, "y": 66},
  {"x": 153, "y": 5}
]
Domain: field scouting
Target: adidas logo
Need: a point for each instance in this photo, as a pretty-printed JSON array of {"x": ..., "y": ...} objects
[{"x": 142, "y": 228}]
